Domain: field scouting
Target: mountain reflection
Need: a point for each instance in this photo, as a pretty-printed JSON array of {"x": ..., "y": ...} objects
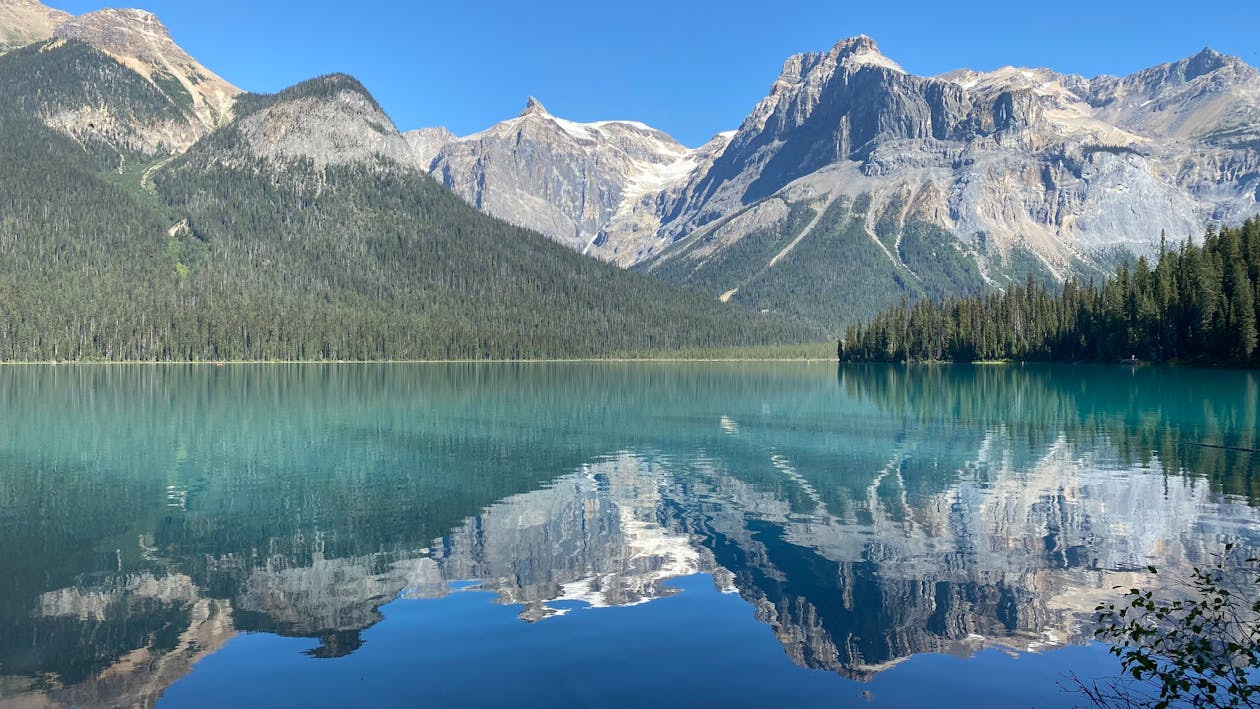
[{"x": 866, "y": 515}]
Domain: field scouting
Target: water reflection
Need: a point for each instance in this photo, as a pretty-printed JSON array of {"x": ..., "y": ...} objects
[{"x": 149, "y": 514}]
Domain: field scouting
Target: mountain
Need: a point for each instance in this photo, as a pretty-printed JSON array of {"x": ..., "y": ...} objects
[
  {"x": 324, "y": 122},
  {"x": 299, "y": 229},
  {"x": 96, "y": 100},
  {"x": 576, "y": 182},
  {"x": 140, "y": 41},
  {"x": 25, "y": 21},
  {"x": 853, "y": 184},
  {"x": 113, "y": 78}
]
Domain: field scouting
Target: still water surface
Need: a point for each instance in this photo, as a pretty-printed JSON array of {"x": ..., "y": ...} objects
[{"x": 596, "y": 534}]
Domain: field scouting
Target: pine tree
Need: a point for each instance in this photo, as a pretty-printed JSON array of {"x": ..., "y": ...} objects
[{"x": 1198, "y": 303}]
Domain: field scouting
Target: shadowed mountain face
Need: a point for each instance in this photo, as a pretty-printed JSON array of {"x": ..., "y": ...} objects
[{"x": 865, "y": 515}]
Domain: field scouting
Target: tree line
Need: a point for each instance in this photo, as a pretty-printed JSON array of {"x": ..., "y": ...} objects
[{"x": 1199, "y": 303}]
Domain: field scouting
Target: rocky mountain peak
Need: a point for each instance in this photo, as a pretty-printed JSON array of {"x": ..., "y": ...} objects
[
  {"x": 851, "y": 53},
  {"x": 859, "y": 46},
  {"x": 139, "y": 40},
  {"x": 118, "y": 31},
  {"x": 328, "y": 120},
  {"x": 534, "y": 107},
  {"x": 854, "y": 45},
  {"x": 25, "y": 21},
  {"x": 862, "y": 51},
  {"x": 1206, "y": 63},
  {"x": 1209, "y": 60}
]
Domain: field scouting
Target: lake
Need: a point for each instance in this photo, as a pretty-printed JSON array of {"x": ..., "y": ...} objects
[{"x": 597, "y": 534}]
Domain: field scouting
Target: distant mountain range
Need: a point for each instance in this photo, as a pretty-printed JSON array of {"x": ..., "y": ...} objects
[{"x": 852, "y": 186}]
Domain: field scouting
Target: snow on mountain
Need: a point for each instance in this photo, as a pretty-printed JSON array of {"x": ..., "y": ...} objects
[{"x": 569, "y": 180}]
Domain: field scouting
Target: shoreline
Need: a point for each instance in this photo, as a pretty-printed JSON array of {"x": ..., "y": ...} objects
[{"x": 226, "y": 363}]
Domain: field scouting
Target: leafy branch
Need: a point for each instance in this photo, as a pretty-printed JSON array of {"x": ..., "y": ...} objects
[{"x": 1200, "y": 651}]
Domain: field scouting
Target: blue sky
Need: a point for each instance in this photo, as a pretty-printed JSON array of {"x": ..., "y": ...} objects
[{"x": 689, "y": 67}]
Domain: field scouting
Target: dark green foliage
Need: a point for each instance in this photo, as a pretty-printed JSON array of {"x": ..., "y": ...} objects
[
  {"x": 321, "y": 87},
  {"x": 940, "y": 262},
  {"x": 174, "y": 89},
  {"x": 1089, "y": 150},
  {"x": 1201, "y": 650},
  {"x": 809, "y": 281},
  {"x": 833, "y": 274},
  {"x": 43, "y": 81},
  {"x": 846, "y": 264},
  {"x": 268, "y": 262},
  {"x": 732, "y": 265},
  {"x": 81, "y": 258},
  {"x": 1198, "y": 304}
]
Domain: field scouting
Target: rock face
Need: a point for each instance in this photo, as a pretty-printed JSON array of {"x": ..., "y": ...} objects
[
  {"x": 864, "y": 184},
  {"x": 79, "y": 90},
  {"x": 329, "y": 120},
  {"x": 137, "y": 39},
  {"x": 25, "y": 21},
  {"x": 113, "y": 76},
  {"x": 580, "y": 183}
]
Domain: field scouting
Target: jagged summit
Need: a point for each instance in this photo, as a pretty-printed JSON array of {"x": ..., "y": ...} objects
[
  {"x": 1207, "y": 61},
  {"x": 139, "y": 40},
  {"x": 851, "y": 52},
  {"x": 567, "y": 179},
  {"x": 855, "y": 45},
  {"x": 534, "y": 107},
  {"x": 128, "y": 32},
  {"x": 863, "y": 51},
  {"x": 117, "y": 16},
  {"x": 817, "y": 68}
]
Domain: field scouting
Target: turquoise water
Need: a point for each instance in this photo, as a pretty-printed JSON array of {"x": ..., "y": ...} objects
[{"x": 597, "y": 534}]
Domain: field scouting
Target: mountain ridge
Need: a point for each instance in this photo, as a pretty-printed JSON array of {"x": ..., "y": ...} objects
[
  {"x": 852, "y": 184},
  {"x": 959, "y": 182},
  {"x": 299, "y": 230},
  {"x": 1016, "y": 171},
  {"x": 138, "y": 40},
  {"x": 24, "y": 22},
  {"x": 566, "y": 179}
]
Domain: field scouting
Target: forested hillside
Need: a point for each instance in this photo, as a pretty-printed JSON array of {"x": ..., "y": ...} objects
[
  {"x": 1199, "y": 303},
  {"x": 827, "y": 269},
  {"x": 218, "y": 255}
]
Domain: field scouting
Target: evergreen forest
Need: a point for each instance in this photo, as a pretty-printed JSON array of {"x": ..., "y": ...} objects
[
  {"x": 1199, "y": 303},
  {"x": 107, "y": 254}
]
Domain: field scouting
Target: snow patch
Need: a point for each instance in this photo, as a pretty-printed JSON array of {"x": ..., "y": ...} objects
[
  {"x": 632, "y": 124},
  {"x": 577, "y": 131},
  {"x": 870, "y": 57}
]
